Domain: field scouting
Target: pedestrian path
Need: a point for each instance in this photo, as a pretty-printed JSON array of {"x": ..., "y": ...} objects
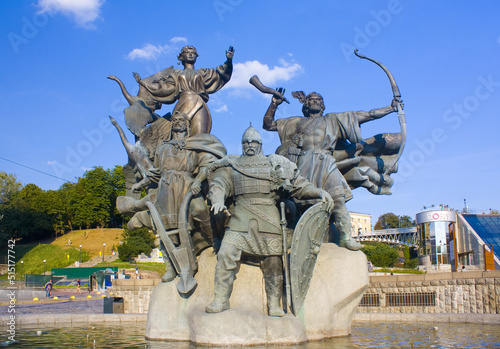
[{"x": 96, "y": 260}]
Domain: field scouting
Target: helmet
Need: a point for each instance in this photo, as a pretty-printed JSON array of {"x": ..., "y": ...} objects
[
  {"x": 251, "y": 142},
  {"x": 251, "y": 135}
]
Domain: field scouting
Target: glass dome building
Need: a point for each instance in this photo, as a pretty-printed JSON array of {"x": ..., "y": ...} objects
[{"x": 434, "y": 227}]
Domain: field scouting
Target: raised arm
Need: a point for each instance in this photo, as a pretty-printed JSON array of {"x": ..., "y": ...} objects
[
  {"x": 269, "y": 122},
  {"x": 364, "y": 116}
]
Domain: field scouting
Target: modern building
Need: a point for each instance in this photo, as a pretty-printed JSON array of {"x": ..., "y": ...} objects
[
  {"x": 452, "y": 241},
  {"x": 433, "y": 227},
  {"x": 478, "y": 240}
]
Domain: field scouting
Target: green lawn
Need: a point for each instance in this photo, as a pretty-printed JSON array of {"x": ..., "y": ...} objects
[
  {"x": 398, "y": 271},
  {"x": 155, "y": 267},
  {"x": 54, "y": 256}
]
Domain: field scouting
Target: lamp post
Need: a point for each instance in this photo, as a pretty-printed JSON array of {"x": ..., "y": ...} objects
[
  {"x": 44, "y": 266},
  {"x": 22, "y": 270},
  {"x": 80, "y": 255},
  {"x": 103, "y": 246}
]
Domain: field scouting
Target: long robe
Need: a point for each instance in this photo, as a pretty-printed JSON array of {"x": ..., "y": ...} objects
[
  {"x": 190, "y": 88},
  {"x": 177, "y": 162}
]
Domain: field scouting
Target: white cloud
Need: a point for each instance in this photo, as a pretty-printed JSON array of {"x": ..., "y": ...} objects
[
  {"x": 222, "y": 108},
  {"x": 242, "y": 72},
  {"x": 177, "y": 39},
  {"x": 83, "y": 12},
  {"x": 51, "y": 162},
  {"x": 152, "y": 52},
  {"x": 147, "y": 52}
]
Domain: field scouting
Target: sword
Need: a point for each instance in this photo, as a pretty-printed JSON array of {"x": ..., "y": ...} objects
[{"x": 285, "y": 259}]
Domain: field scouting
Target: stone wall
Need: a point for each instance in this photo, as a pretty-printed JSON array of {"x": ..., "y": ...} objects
[
  {"x": 468, "y": 292},
  {"x": 474, "y": 292},
  {"x": 135, "y": 293}
]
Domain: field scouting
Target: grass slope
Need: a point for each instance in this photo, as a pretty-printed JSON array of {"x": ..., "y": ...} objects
[
  {"x": 54, "y": 256},
  {"x": 92, "y": 240}
]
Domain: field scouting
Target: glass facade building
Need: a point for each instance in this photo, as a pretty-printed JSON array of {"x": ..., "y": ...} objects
[{"x": 433, "y": 228}]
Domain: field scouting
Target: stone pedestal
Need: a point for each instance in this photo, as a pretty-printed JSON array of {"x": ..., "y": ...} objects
[{"x": 338, "y": 283}]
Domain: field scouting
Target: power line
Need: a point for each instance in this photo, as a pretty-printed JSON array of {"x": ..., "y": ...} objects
[{"x": 34, "y": 169}]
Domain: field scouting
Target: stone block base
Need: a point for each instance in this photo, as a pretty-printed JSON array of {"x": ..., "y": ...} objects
[{"x": 338, "y": 283}]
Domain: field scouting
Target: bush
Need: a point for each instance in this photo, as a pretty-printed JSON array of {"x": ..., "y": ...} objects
[{"x": 381, "y": 255}]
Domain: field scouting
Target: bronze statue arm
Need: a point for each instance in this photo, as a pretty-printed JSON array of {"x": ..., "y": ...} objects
[
  {"x": 137, "y": 187},
  {"x": 196, "y": 185},
  {"x": 152, "y": 176},
  {"x": 230, "y": 54},
  {"x": 269, "y": 122},
  {"x": 373, "y": 114},
  {"x": 220, "y": 189}
]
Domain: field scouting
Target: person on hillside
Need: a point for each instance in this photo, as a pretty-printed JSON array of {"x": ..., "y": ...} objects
[{"x": 48, "y": 288}]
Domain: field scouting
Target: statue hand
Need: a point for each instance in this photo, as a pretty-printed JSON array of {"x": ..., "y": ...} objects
[
  {"x": 395, "y": 102},
  {"x": 196, "y": 187},
  {"x": 112, "y": 77},
  {"x": 230, "y": 53},
  {"x": 136, "y": 188},
  {"x": 278, "y": 100},
  {"x": 137, "y": 77},
  {"x": 218, "y": 207},
  {"x": 326, "y": 198}
]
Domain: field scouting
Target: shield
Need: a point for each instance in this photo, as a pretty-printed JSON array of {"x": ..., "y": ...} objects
[
  {"x": 309, "y": 234},
  {"x": 182, "y": 256}
]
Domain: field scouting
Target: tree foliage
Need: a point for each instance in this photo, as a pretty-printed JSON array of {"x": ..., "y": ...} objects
[
  {"x": 30, "y": 213},
  {"x": 136, "y": 242},
  {"x": 380, "y": 254},
  {"x": 8, "y": 187},
  {"x": 391, "y": 221}
]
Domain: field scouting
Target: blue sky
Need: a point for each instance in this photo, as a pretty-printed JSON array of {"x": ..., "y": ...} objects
[{"x": 444, "y": 55}]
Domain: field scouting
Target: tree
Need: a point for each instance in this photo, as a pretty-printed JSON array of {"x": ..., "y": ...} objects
[
  {"x": 90, "y": 198},
  {"x": 387, "y": 221},
  {"x": 25, "y": 216},
  {"x": 136, "y": 242},
  {"x": 117, "y": 188},
  {"x": 406, "y": 222},
  {"x": 8, "y": 187},
  {"x": 56, "y": 206},
  {"x": 391, "y": 221}
]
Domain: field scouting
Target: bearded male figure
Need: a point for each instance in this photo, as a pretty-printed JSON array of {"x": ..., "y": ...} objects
[
  {"x": 310, "y": 142},
  {"x": 256, "y": 183},
  {"x": 180, "y": 165}
]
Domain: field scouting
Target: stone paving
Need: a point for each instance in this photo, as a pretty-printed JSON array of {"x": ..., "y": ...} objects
[
  {"x": 83, "y": 306},
  {"x": 63, "y": 305}
]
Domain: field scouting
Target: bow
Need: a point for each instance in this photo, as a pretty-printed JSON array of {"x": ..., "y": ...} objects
[{"x": 401, "y": 113}]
